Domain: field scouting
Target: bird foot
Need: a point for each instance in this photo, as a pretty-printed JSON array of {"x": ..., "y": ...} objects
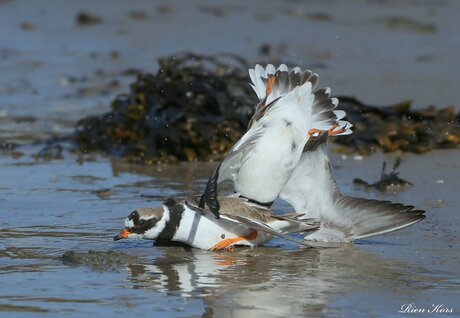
[{"x": 330, "y": 131}]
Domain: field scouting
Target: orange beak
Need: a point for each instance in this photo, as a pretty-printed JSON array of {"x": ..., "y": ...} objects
[{"x": 122, "y": 235}]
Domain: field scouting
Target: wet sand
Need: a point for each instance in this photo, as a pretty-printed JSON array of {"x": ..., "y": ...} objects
[
  {"x": 55, "y": 72},
  {"x": 52, "y": 207}
]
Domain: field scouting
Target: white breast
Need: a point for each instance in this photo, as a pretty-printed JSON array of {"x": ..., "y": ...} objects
[
  {"x": 204, "y": 232},
  {"x": 266, "y": 169}
]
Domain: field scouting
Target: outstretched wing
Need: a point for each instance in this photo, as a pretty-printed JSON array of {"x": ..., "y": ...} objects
[
  {"x": 271, "y": 84},
  {"x": 280, "y": 91},
  {"x": 264, "y": 228},
  {"x": 361, "y": 218},
  {"x": 325, "y": 116},
  {"x": 240, "y": 210},
  {"x": 312, "y": 191}
]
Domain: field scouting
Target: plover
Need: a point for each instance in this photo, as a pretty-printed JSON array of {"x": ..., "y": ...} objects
[
  {"x": 289, "y": 112},
  {"x": 241, "y": 223}
]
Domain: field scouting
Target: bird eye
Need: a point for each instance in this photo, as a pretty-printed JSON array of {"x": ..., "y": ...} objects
[{"x": 141, "y": 223}]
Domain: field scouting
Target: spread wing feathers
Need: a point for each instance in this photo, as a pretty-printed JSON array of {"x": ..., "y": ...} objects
[
  {"x": 297, "y": 84},
  {"x": 230, "y": 166},
  {"x": 264, "y": 228},
  {"x": 234, "y": 207},
  {"x": 312, "y": 192},
  {"x": 209, "y": 196},
  {"x": 236, "y": 156},
  {"x": 294, "y": 224},
  {"x": 299, "y": 94},
  {"x": 285, "y": 81},
  {"x": 325, "y": 115},
  {"x": 230, "y": 205},
  {"x": 241, "y": 207},
  {"x": 290, "y": 95},
  {"x": 361, "y": 218}
]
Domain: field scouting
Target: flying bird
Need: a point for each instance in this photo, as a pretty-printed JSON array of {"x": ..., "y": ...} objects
[{"x": 291, "y": 110}]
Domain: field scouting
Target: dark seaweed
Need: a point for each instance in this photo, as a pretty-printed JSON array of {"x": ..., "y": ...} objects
[
  {"x": 387, "y": 182},
  {"x": 398, "y": 127},
  {"x": 196, "y": 107}
]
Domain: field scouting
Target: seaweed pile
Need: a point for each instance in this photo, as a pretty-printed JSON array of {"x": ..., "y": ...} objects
[
  {"x": 196, "y": 107},
  {"x": 398, "y": 127},
  {"x": 388, "y": 181}
]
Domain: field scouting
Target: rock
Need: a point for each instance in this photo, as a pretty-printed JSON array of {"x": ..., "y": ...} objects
[{"x": 99, "y": 260}]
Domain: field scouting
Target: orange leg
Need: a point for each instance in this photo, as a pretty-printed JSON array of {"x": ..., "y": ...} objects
[
  {"x": 227, "y": 243},
  {"x": 270, "y": 84},
  {"x": 330, "y": 131}
]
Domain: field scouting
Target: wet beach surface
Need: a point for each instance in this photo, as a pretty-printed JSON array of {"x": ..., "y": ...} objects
[
  {"x": 50, "y": 208},
  {"x": 58, "y": 67}
]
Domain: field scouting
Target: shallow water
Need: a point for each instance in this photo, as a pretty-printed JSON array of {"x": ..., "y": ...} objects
[
  {"x": 55, "y": 72},
  {"x": 50, "y": 207}
]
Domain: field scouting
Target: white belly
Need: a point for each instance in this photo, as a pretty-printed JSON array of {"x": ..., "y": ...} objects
[
  {"x": 268, "y": 166},
  {"x": 204, "y": 232}
]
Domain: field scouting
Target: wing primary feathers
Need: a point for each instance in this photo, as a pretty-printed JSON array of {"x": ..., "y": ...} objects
[
  {"x": 209, "y": 196},
  {"x": 294, "y": 79},
  {"x": 373, "y": 217},
  {"x": 314, "y": 80},
  {"x": 265, "y": 228}
]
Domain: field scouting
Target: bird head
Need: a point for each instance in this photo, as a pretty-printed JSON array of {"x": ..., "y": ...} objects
[{"x": 143, "y": 223}]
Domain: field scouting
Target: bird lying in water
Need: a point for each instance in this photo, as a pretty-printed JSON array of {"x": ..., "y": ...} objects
[
  {"x": 241, "y": 223},
  {"x": 335, "y": 218}
]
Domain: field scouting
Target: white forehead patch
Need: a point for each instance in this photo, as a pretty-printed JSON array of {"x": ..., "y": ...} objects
[{"x": 129, "y": 223}]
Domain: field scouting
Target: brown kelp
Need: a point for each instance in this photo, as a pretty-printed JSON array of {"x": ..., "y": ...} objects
[
  {"x": 398, "y": 127},
  {"x": 388, "y": 181},
  {"x": 196, "y": 107}
]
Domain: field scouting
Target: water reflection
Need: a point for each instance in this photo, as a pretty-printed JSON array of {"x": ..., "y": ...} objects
[
  {"x": 267, "y": 281},
  {"x": 57, "y": 210}
]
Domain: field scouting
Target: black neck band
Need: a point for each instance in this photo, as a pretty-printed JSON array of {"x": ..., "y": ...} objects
[{"x": 175, "y": 216}]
